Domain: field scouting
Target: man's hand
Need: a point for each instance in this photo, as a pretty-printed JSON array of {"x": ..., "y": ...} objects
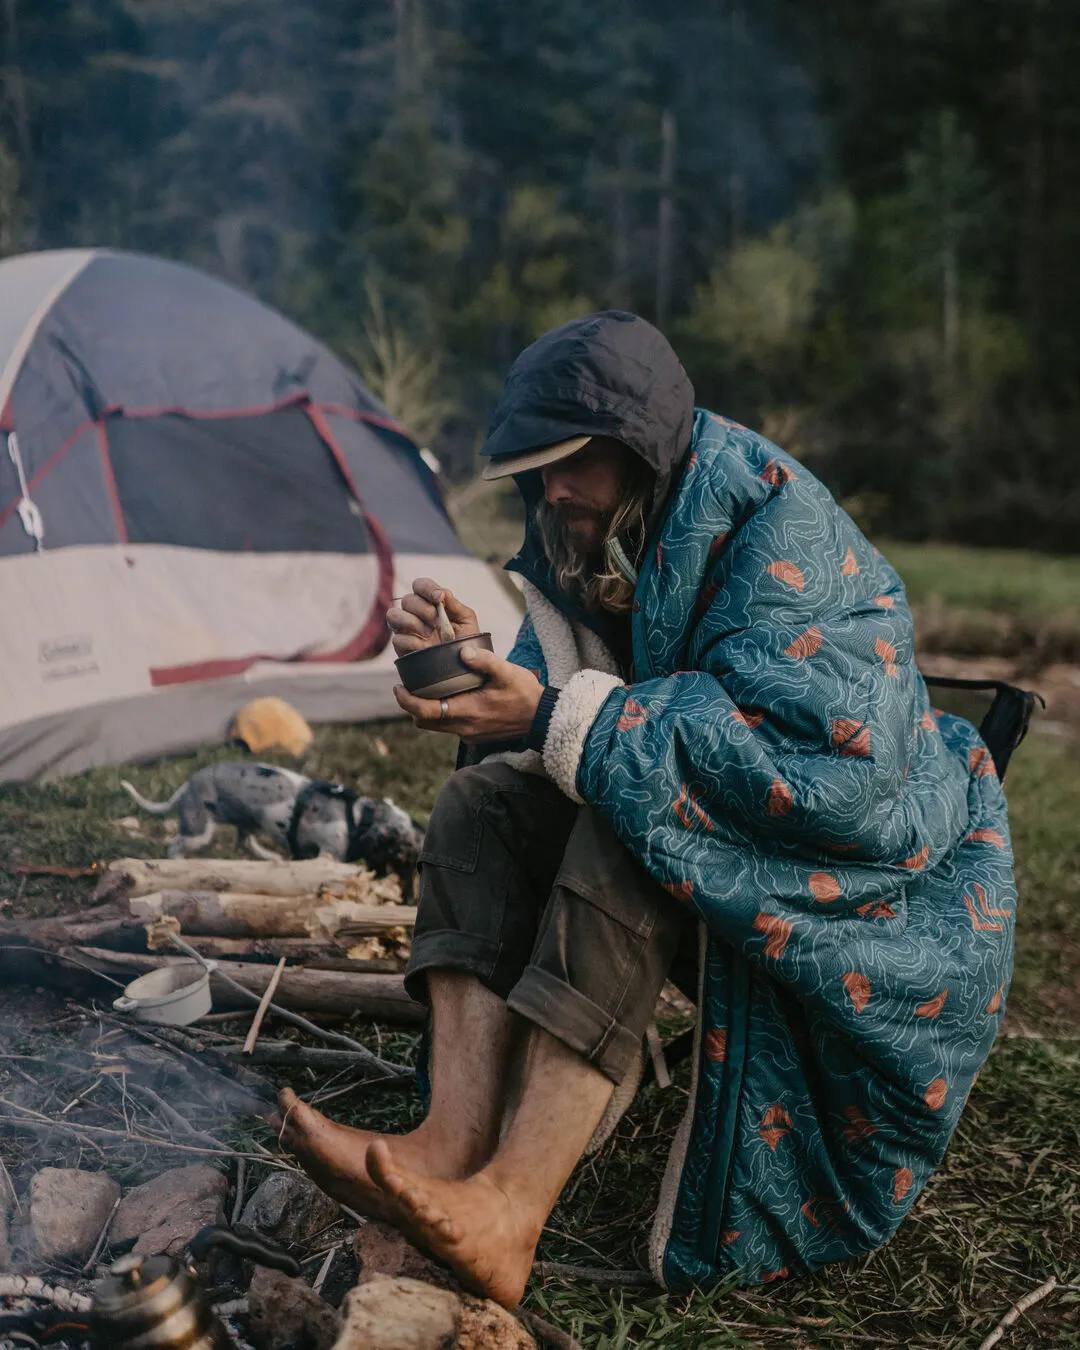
[
  {"x": 502, "y": 710},
  {"x": 412, "y": 620}
]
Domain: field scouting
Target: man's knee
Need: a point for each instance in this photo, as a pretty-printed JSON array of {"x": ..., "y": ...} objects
[{"x": 468, "y": 799}]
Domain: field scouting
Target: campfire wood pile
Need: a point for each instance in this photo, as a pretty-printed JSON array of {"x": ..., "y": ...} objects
[
  {"x": 342, "y": 932},
  {"x": 118, "y": 1104}
]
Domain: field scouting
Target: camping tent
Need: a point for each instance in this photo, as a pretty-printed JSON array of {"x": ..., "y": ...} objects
[{"x": 198, "y": 504}]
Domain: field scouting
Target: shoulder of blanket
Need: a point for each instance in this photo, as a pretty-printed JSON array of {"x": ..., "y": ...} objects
[
  {"x": 732, "y": 459},
  {"x": 752, "y": 482}
]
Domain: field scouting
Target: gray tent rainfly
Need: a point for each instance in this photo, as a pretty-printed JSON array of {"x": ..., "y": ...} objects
[{"x": 198, "y": 504}]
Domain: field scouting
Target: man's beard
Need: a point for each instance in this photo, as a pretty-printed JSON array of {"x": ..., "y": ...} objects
[{"x": 583, "y": 529}]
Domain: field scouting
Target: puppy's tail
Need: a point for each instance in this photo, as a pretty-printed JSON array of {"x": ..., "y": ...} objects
[{"x": 158, "y": 808}]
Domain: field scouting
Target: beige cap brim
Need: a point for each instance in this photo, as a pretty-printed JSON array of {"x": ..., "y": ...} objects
[{"x": 506, "y": 465}]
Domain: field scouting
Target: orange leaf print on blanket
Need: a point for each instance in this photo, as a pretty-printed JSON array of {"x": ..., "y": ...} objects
[
  {"x": 806, "y": 644},
  {"x": 824, "y": 1209},
  {"x": 858, "y": 988},
  {"x": 633, "y": 714},
  {"x": 986, "y": 836},
  {"x": 917, "y": 861},
  {"x": 850, "y": 567},
  {"x": 902, "y": 1183},
  {"x": 823, "y": 887},
  {"x": 767, "y": 1276},
  {"x": 859, "y": 1127},
  {"x": 748, "y": 717},
  {"x": 936, "y": 1094},
  {"x": 885, "y": 601},
  {"x": 986, "y": 908},
  {"x": 778, "y": 929},
  {"x": 716, "y": 1045},
  {"x": 887, "y": 652},
  {"x": 933, "y": 1007},
  {"x": 879, "y": 909},
  {"x": 980, "y": 925},
  {"x": 981, "y": 762},
  {"x": 780, "y": 799},
  {"x": 774, "y": 1125},
  {"x": 681, "y": 890},
  {"x": 995, "y": 1003},
  {"x": 851, "y": 737},
  {"x": 777, "y": 474},
  {"x": 728, "y": 1236},
  {"x": 788, "y": 573},
  {"x": 688, "y": 810},
  {"x": 927, "y": 723}
]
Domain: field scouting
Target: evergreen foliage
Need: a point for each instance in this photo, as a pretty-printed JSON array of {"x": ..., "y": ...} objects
[{"x": 858, "y": 219}]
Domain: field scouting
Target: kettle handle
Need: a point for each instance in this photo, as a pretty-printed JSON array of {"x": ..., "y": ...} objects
[{"x": 124, "y": 1004}]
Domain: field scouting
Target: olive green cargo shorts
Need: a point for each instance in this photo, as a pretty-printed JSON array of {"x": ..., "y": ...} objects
[{"x": 535, "y": 896}]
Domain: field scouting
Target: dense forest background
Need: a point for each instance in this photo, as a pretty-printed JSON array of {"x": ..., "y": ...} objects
[{"x": 857, "y": 221}]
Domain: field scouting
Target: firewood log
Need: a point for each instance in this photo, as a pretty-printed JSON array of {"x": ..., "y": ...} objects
[
  {"x": 244, "y": 915},
  {"x": 141, "y": 876},
  {"x": 380, "y": 997}
]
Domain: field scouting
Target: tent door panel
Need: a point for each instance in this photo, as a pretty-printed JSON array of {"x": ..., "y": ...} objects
[{"x": 263, "y": 484}]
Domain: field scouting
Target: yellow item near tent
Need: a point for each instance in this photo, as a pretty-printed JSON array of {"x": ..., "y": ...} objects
[{"x": 268, "y": 722}]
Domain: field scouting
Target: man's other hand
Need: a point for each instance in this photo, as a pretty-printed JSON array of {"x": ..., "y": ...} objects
[
  {"x": 502, "y": 711},
  {"x": 414, "y": 622}
]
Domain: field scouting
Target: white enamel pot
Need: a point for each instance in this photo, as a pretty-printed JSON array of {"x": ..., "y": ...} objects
[{"x": 172, "y": 996}]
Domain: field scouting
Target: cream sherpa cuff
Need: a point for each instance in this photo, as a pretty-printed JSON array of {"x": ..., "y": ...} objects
[{"x": 575, "y": 712}]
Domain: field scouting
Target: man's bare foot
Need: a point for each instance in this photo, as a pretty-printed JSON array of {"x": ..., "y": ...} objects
[
  {"x": 334, "y": 1155},
  {"x": 486, "y": 1239}
]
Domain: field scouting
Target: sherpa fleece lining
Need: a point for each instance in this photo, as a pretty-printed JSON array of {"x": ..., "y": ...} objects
[
  {"x": 569, "y": 649},
  {"x": 574, "y": 714}
]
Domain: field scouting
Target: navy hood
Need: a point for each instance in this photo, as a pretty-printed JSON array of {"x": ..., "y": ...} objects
[{"x": 609, "y": 374}]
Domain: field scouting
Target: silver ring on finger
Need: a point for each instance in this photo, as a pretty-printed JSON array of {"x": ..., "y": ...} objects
[{"x": 444, "y": 710}]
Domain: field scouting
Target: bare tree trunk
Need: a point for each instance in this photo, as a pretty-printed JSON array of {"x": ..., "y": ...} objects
[
  {"x": 665, "y": 242},
  {"x": 950, "y": 290}
]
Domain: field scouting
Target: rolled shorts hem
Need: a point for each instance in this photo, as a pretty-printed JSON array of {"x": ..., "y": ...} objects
[
  {"x": 577, "y": 1021},
  {"x": 451, "y": 949}
]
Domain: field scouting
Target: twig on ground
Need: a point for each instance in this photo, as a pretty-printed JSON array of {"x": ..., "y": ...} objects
[
  {"x": 238, "y": 1203},
  {"x": 33, "y": 1120},
  {"x": 384, "y": 1068},
  {"x": 1017, "y": 1311},
  {"x": 91, "y": 1260},
  {"x": 174, "y": 1117},
  {"x": 260, "y": 1011},
  {"x": 82, "y": 1096},
  {"x": 545, "y": 1333},
  {"x": 656, "y": 1054},
  {"x": 598, "y": 1275},
  {"x": 324, "y": 1269}
]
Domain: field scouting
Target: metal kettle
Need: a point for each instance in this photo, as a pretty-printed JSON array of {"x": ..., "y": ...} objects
[{"x": 154, "y": 1303}]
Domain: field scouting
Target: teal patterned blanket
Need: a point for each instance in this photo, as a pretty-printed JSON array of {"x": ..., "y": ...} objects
[{"x": 776, "y": 764}]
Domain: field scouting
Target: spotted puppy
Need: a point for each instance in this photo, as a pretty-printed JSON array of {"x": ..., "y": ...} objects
[{"x": 304, "y": 815}]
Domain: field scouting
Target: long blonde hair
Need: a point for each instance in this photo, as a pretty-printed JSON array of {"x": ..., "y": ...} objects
[{"x": 607, "y": 586}]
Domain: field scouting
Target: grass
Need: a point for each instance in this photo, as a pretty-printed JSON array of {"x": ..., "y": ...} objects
[{"x": 1001, "y": 1215}]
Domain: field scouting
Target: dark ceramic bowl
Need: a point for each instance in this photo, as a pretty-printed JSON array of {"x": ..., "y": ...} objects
[{"x": 439, "y": 672}]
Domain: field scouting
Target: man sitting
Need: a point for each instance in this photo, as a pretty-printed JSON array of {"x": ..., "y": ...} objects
[{"x": 710, "y": 734}]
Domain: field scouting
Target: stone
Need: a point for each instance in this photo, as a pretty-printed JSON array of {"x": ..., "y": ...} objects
[
  {"x": 68, "y": 1210},
  {"x": 485, "y": 1325},
  {"x": 290, "y": 1208},
  {"x": 287, "y": 1314},
  {"x": 399, "y": 1314},
  {"x": 381, "y": 1250},
  {"x": 164, "y": 1214}
]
